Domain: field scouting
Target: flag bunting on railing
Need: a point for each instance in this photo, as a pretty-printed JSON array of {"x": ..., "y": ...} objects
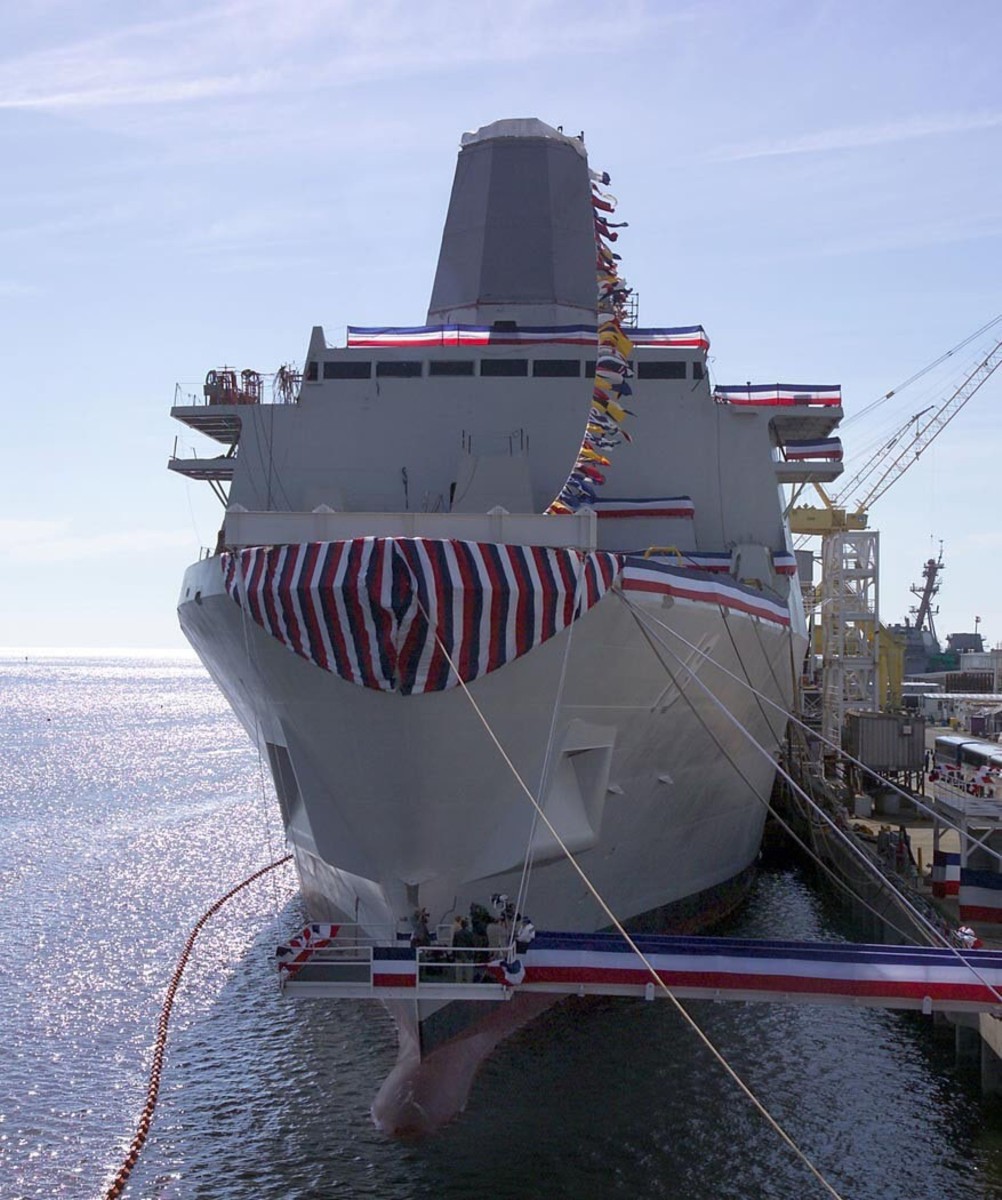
[
  {"x": 608, "y": 508},
  {"x": 659, "y": 576},
  {"x": 797, "y": 450},
  {"x": 364, "y": 337},
  {"x": 298, "y": 950},
  {"x": 778, "y": 394}
]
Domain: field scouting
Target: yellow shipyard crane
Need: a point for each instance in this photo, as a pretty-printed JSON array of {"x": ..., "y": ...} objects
[{"x": 860, "y": 666}]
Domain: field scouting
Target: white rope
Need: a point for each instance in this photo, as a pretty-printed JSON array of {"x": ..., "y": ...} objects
[
  {"x": 523, "y": 885},
  {"x": 820, "y": 737},
  {"x": 614, "y": 920},
  {"x": 922, "y": 920},
  {"x": 882, "y": 882}
]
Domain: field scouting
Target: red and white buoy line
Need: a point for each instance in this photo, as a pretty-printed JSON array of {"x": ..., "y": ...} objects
[{"x": 117, "y": 1185}]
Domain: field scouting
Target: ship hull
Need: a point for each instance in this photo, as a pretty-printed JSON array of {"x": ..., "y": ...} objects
[{"x": 653, "y": 764}]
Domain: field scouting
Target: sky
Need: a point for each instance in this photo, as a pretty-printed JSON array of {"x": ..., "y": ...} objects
[{"x": 188, "y": 185}]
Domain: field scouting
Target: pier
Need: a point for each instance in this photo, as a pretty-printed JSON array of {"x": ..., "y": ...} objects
[{"x": 331, "y": 962}]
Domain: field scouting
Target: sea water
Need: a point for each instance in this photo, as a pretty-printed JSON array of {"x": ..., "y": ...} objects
[{"x": 130, "y": 799}]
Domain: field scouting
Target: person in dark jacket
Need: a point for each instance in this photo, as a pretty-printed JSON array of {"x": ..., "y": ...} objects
[{"x": 464, "y": 944}]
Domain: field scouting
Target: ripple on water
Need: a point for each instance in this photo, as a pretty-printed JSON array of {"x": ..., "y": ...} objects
[{"x": 133, "y": 800}]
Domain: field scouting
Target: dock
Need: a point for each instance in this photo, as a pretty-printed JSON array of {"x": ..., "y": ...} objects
[{"x": 335, "y": 962}]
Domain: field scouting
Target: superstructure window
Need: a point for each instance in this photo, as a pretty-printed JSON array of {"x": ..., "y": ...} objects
[
  {"x": 590, "y": 365},
  {"x": 697, "y": 369},
  {"x": 663, "y": 369},
  {"x": 311, "y": 372},
  {"x": 450, "y": 366},
  {"x": 343, "y": 368},
  {"x": 504, "y": 366},
  {"x": 556, "y": 368},
  {"x": 398, "y": 369}
]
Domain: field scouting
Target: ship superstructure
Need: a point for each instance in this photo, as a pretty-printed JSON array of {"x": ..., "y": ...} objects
[{"x": 505, "y": 550}]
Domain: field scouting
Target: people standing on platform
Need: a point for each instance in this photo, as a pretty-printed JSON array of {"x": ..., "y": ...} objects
[
  {"x": 420, "y": 933},
  {"x": 463, "y": 944},
  {"x": 480, "y": 921},
  {"x": 903, "y": 852}
]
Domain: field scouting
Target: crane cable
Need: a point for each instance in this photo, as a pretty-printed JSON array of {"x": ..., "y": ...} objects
[
  {"x": 117, "y": 1185},
  {"x": 620, "y": 929},
  {"x": 874, "y": 404}
]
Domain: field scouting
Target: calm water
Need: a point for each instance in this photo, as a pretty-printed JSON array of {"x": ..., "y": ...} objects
[{"x": 130, "y": 800}]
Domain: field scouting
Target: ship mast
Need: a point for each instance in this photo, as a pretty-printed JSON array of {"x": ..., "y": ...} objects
[{"x": 924, "y": 612}]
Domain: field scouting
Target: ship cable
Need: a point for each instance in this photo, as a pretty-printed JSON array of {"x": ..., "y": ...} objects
[
  {"x": 741, "y": 662},
  {"x": 621, "y": 930},
  {"x": 117, "y": 1185},
  {"x": 844, "y": 754},
  {"x": 921, "y": 919},
  {"x": 523, "y": 883},
  {"x": 781, "y": 821},
  {"x": 923, "y": 923},
  {"x": 868, "y": 408}
]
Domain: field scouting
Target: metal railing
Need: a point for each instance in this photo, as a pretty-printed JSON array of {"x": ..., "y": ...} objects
[{"x": 456, "y": 965}]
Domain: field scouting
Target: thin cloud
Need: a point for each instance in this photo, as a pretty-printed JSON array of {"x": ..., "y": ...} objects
[
  {"x": 11, "y": 289},
  {"x": 308, "y": 45},
  {"x": 41, "y": 541},
  {"x": 858, "y": 137}
]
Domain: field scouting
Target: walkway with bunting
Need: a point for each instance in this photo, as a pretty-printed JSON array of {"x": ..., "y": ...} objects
[{"x": 338, "y": 962}]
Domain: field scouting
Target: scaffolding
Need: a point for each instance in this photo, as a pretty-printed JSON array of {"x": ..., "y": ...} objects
[{"x": 849, "y": 625}]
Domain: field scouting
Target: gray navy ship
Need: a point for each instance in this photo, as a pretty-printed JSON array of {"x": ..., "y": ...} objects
[{"x": 503, "y": 551}]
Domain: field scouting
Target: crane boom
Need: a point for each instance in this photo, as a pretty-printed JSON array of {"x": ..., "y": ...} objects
[{"x": 926, "y": 434}]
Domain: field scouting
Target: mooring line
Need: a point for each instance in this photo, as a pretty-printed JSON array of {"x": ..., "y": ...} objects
[
  {"x": 620, "y": 929},
  {"x": 117, "y": 1185}
]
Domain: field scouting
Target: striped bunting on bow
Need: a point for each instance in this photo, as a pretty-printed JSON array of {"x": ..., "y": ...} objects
[
  {"x": 656, "y": 577},
  {"x": 372, "y": 610}
]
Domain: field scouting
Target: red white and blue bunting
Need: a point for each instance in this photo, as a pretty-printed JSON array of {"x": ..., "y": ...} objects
[
  {"x": 657, "y": 577},
  {"x": 945, "y": 873},
  {"x": 784, "y": 562},
  {"x": 607, "y": 509},
  {"x": 686, "y": 337},
  {"x": 979, "y": 896},
  {"x": 297, "y": 951},
  {"x": 364, "y": 337},
  {"x": 779, "y": 394},
  {"x": 378, "y": 611},
  {"x": 803, "y": 450}
]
